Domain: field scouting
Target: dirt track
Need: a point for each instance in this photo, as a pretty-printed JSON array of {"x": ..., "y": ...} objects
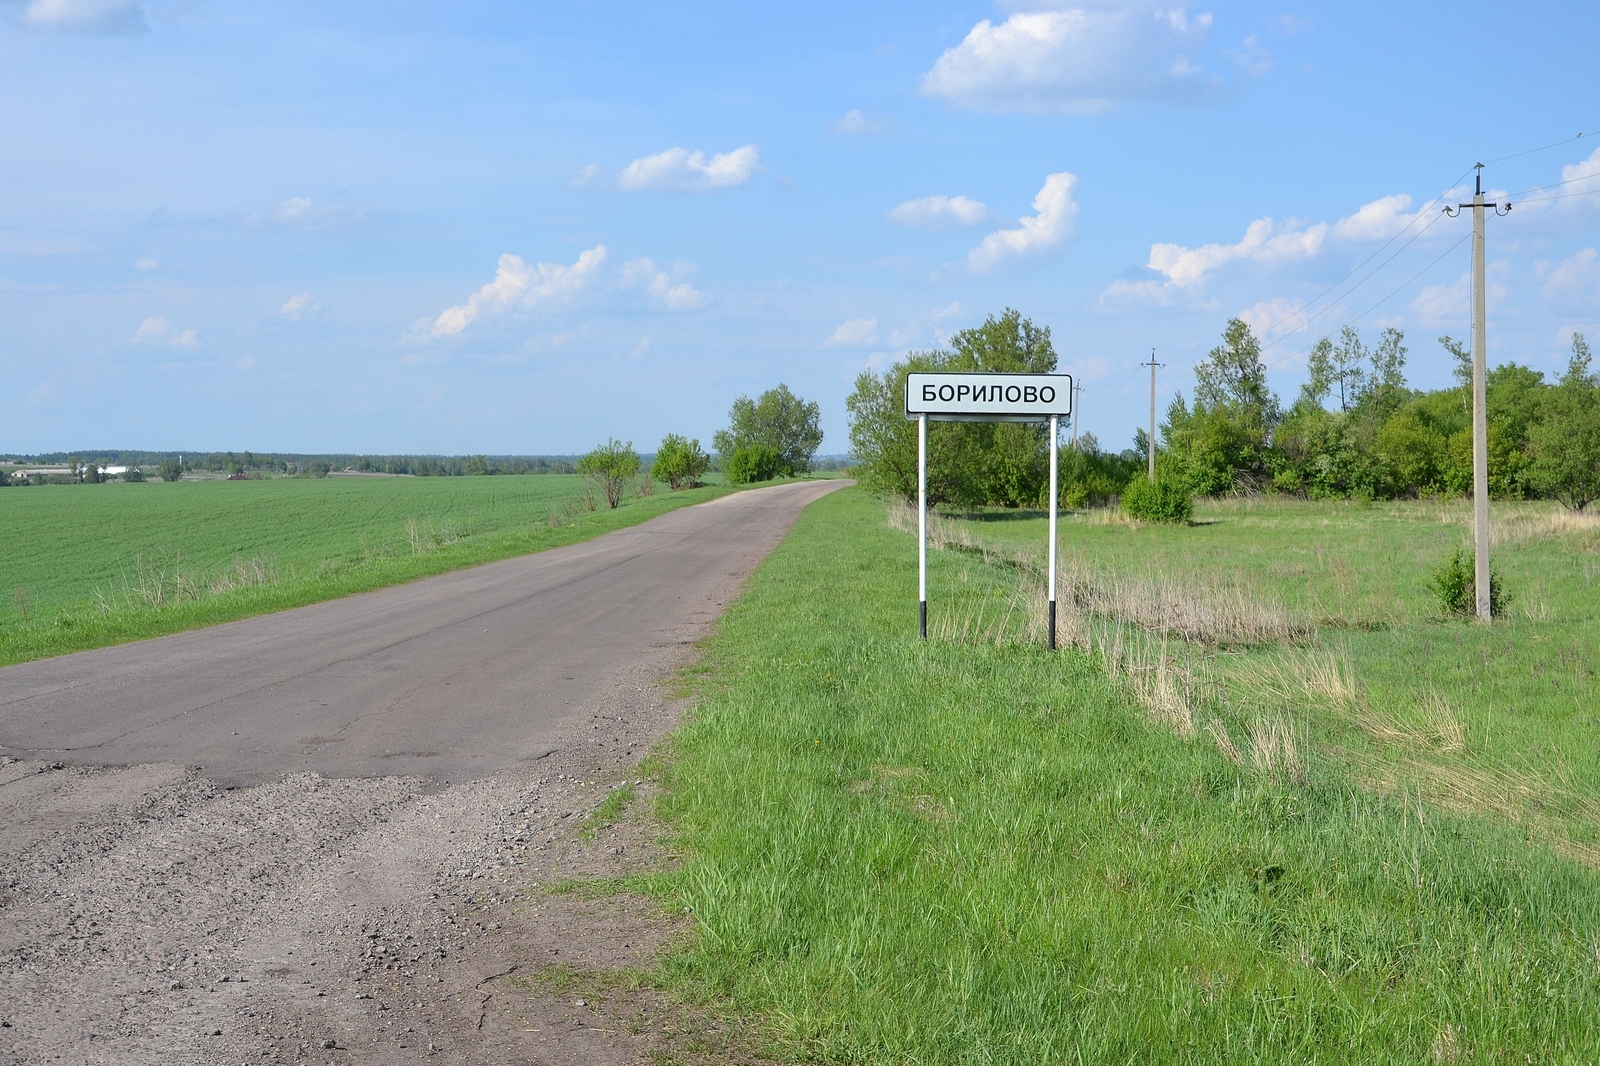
[{"x": 184, "y": 879}]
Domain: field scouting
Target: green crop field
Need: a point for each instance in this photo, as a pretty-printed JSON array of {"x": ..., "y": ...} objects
[
  {"x": 1267, "y": 807},
  {"x": 84, "y": 566}
]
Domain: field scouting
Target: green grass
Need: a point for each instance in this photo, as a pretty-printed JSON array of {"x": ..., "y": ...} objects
[
  {"x": 963, "y": 852},
  {"x": 85, "y": 566}
]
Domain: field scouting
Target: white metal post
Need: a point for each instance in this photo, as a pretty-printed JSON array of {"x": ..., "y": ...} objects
[
  {"x": 1055, "y": 437},
  {"x": 922, "y": 523}
]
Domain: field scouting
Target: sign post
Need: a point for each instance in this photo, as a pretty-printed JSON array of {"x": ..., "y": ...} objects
[{"x": 971, "y": 397}]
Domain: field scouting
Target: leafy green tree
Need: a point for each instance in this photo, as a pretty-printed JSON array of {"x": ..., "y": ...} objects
[
  {"x": 754, "y": 462},
  {"x": 1222, "y": 444},
  {"x": 1566, "y": 442},
  {"x": 680, "y": 462},
  {"x": 478, "y": 466},
  {"x": 612, "y": 465},
  {"x": 970, "y": 464},
  {"x": 1347, "y": 371},
  {"x": 171, "y": 470},
  {"x": 782, "y": 421}
]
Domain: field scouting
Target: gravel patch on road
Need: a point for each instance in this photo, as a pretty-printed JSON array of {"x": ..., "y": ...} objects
[{"x": 150, "y": 915}]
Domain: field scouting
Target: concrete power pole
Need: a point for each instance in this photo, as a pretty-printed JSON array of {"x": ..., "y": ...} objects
[
  {"x": 1150, "y": 442},
  {"x": 1480, "y": 392},
  {"x": 1077, "y": 394}
]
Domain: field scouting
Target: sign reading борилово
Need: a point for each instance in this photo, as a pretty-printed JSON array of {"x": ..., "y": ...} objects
[
  {"x": 988, "y": 397},
  {"x": 985, "y": 398}
]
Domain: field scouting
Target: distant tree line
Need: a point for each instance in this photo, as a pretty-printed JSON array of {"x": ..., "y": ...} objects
[{"x": 1356, "y": 430}]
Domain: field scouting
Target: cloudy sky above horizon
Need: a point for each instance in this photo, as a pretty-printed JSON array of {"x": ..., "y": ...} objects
[{"x": 503, "y": 228}]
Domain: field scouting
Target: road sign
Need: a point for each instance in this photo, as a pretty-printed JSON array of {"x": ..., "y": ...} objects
[
  {"x": 988, "y": 397},
  {"x": 984, "y": 398}
]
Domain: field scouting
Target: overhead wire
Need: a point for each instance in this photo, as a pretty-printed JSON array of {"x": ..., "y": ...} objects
[{"x": 1546, "y": 148}]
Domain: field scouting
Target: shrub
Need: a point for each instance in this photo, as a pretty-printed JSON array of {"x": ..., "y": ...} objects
[
  {"x": 1164, "y": 500},
  {"x": 318, "y": 468},
  {"x": 171, "y": 470},
  {"x": 612, "y": 465},
  {"x": 134, "y": 474},
  {"x": 1455, "y": 585},
  {"x": 753, "y": 462},
  {"x": 680, "y": 462}
]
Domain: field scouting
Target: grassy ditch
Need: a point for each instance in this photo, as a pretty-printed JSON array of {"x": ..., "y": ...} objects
[
  {"x": 973, "y": 851},
  {"x": 91, "y": 565}
]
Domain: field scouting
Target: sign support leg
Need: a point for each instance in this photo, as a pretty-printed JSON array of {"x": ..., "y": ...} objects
[
  {"x": 922, "y": 524},
  {"x": 1055, "y": 433}
]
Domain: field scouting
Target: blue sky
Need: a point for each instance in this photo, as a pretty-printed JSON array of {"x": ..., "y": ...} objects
[{"x": 522, "y": 228}]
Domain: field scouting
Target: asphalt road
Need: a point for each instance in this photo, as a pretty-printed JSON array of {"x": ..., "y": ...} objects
[{"x": 452, "y": 677}]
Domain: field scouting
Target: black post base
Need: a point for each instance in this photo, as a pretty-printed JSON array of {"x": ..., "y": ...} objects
[
  {"x": 923, "y": 628},
  {"x": 1052, "y": 625}
]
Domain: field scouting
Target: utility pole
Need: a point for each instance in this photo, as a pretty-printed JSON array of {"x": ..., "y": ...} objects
[
  {"x": 1480, "y": 391},
  {"x": 1150, "y": 442},
  {"x": 1077, "y": 392}
]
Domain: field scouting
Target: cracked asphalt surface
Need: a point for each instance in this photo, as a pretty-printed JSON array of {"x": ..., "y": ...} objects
[{"x": 327, "y": 834}]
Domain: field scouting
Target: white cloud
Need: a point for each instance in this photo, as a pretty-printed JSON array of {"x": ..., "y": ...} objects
[
  {"x": 1125, "y": 292},
  {"x": 1264, "y": 240},
  {"x": 855, "y": 123},
  {"x": 297, "y": 306},
  {"x": 665, "y": 289},
  {"x": 593, "y": 176},
  {"x": 1574, "y": 277},
  {"x": 1441, "y": 305},
  {"x": 1079, "y": 60},
  {"x": 520, "y": 284},
  {"x": 680, "y": 170},
  {"x": 932, "y": 212},
  {"x": 856, "y": 333},
  {"x": 302, "y": 212},
  {"x": 1579, "y": 176},
  {"x": 1055, "y": 222},
  {"x": 147, "y": 263},
  {"x": 159, "y": 331},
  {"x": 950, "y": 311},
  {"x": 1276, "y": 318},
  {"x": 1379, "y": 220},
  {"x": 85, "y": 16}
]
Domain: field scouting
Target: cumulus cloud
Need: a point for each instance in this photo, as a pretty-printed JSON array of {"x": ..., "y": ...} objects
[
  {"x": 933, "y": 212},
  {"x": 1077, "y": 60},
  {"x": 518, "y": 283},
  {"x": 109, "y": 17},
  {"x": 666, "y": 289},
  {"x": 298, "y": 306},
  {"x": 159, "y": 331},
  {"x": 301, "y": 212},
  {"x": 1055, "y": 220},
  {"x": 1264, "y": 240},
  {"x": 1574, "y": 277},
  {"x": 1577, "y": 176},
  {"x": 1377, "y": 221},
  {"x": 680, "y": 170},
  {"x": 1277, "y": 317},
  {"x": 856, "y": 333},
  {"x": 855, "y": 123}
]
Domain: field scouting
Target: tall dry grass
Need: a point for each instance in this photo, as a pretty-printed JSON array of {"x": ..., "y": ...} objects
[{"x": 160, "y": 581}]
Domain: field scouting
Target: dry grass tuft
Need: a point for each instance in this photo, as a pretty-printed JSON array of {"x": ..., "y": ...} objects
[
  {"x": 1274, "y": 750},
  {"x": 1219, "y": 733},
  {"x": 1530, "y": 526}
]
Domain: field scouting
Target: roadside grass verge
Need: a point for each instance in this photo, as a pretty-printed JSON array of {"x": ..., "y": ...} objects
[
  {"x": 94, "y": 565},
  {"x": 972, "y": 851}
]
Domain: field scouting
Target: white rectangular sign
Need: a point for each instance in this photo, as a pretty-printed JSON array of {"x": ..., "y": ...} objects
[{"x": 988, "y": 397}]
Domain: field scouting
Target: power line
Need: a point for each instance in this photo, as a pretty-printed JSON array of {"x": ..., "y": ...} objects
[
  {"x": 1559, "y": 196},
  {"x": 1546, "y": 148}
]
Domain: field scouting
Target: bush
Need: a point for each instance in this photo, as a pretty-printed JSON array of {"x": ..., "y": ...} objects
[
  {"x": 318, "y": 468},
  {"x": 680, "y": 462},
  {"x": 1456, "y": 586},
  {"x": 753, "y": 462},
  {"x": 171, "y": 470},
  {"x": 613, "y": 465},
  {"x": 1165, "y": 500},
  {"x": 133, "y": 474}
]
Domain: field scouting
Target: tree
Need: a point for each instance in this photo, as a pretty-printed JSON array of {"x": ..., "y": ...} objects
[
  {"x": 782, "y": 421},
  {"x": 1224, "y": 440},
  {"x": 969, "y": 463},
  {"x": 611, "y": 465},
  {"x": 171, "y": 470},
  {"x": 753, "y": 462},
  {"x": 680, "y": 462},
  {"x": 1566, "y": 443}
]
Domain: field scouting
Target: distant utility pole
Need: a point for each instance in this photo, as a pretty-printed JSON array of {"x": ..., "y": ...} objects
[
  {"x": 1150, "y": 442},
  {"x": 1480, "y": 391},
  {"x": 1077, "y": 392}
]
